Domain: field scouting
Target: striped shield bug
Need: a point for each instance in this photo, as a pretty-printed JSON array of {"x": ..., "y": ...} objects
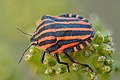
[{"x": 62, "y": 34}]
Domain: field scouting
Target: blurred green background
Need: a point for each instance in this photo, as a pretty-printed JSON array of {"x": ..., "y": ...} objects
[{"x": 25, "y": 13}]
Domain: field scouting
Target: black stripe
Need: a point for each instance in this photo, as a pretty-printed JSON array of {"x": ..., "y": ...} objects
[
  {"x": 64, "y": 42},
  {"x": 86, "y": 20},
  {"x": 74, "y": 15},
  {"x": 58, "y": 26},
  {"x": 80, "y": 17},
  {"x": 70, "y": 49},
  {"x": 44, "y": 22},
  {"x": 64, "y": 33},
  {"x": 47, "y": 17},
  {"x": 46, "y": 42},
  {"x": 78, "y": 47},
  {"x": 66, "y": 20},
  {"x": 45, "y": 35},
  {"x": 65, "y": 15},
  {"x": 72, "y": 33},
  {"x": 53, "y": 48},
  {"x": 61, "y": 43},
  {"x": 52, "y": 19},
  {"x": 93, "y": 33},
  {"x": 89, "y": 40},
  {"x": 84, "y": 44}
]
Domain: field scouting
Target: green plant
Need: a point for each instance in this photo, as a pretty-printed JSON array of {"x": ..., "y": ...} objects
[{"x": 97, "y": 55}]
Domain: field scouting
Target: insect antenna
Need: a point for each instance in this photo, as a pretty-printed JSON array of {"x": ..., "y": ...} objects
[
  {"x": 23, "y": 31},
  {"x": 24, "y": 53}
]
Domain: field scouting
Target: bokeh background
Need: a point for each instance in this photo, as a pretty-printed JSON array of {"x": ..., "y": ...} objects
[{"x": 25, "y": 13}]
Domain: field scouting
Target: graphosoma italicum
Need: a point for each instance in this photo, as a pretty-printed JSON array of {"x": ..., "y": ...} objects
[{"x": 62, "y": 34}]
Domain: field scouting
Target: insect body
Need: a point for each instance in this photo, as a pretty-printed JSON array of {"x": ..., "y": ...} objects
[{"x": 62, "y": 34}]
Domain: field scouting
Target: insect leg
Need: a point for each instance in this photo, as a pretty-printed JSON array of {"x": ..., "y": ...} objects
[
  {"x": 58, "y": 60},
  {"x": 43, "y": 56},
  {"x": 71, "y": 59}
]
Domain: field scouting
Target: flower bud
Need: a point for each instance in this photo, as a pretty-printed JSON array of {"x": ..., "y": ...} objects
[
  {"x": 28, "y": 57},
  {"x": 61, "y": 70},
  {"x": 107, "y": 39},
  {"x": 98, "y": 38},
  {"x": 110, "y": 61},
  {"x": 75, "y": 67},
  {"x": 50, "y": 72},
  {"x": 88, "y": 53},
  {"x": 92, "y": 76},
  {"x": 95, "y": 46},
  {"x": 101, "y": 58},
  {"x": 107, "y": 49},
  {"x": 106, "y": 69},
  {"x": 32, "y": 50}
]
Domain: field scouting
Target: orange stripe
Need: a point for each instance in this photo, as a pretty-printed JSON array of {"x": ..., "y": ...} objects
[
  {"x": 77, "y": 22},
  {"x": 74, "y": 22},
  {"x": 45, "y": 25},
  {"x": 70, "y": 15},
  {"x": 87, "y": 42},
  {"x": 46, "y": 38},
  {"x": 44, "y": 47},
  {"x": 83, "y": 18},
  {"x": 81, "y": 46},
  {"x": 91, "y": 38},
  {"x": 63, "y": 38},
  {"x": 77, "y": 16},
  {"x": 76, "y": 29},
  {"x": 64, "y": 29},
  {"x": 75, "y": 49},
  {"x": 45, "y": 31},
  {"x": 73, "y": 37},
  {"x": 64, "y": 47}
]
